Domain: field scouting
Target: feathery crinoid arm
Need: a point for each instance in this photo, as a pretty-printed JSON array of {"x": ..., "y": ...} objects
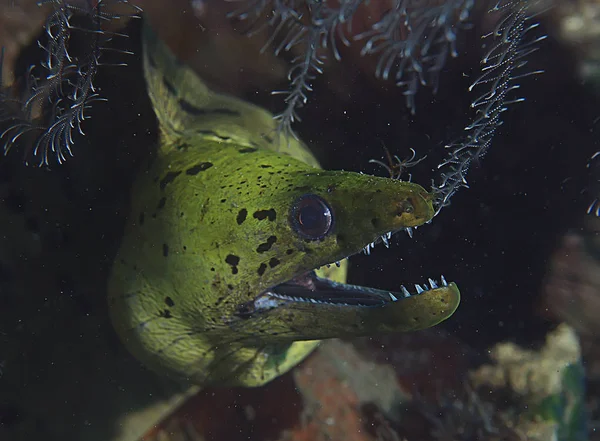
[
  {"x": 43, "y": 115},
  {"x": 411, "y": 41},
  {"x": 502, "y": 66},
  {"x": 594, "y": 165}
]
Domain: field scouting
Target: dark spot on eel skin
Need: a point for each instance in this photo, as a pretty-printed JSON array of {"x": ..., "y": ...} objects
[
  {"x": 261, "y": 269},
  {"x": 169, "y": 301},
  {"x": 183, "y": 146},
  {"x": 241, "y": 217},
  {"x": 264, "y": 247},
  {"x": 265, "y": 166},
  {"x": 263, "y": 214},
  {"x": 190, "y": 108},
  {"x": 267, "y": 138},
  {"x": 169, "y": 177},
  {"x": 161, "y": 203},
  {"x": 198, "y": 168},
  {"x": 215, "y": 134},
  {"x": 289, "y": 251},
  {"x": 165, "y": 249},
  {"x": 166, "y": 314},
  {"x": 274, "y": 262},
  {"x": 170, "y": 88},
  {"x": 233, "y": 260},
  {"x": 248, "y": 150}
]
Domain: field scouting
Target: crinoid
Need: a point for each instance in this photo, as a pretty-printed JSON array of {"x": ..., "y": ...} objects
[
  {"x": 411, "y": 41},
  {"x": 42, "y": 115},
  {"x": 395, "y": 166},
  {"x": 502, "y": 66}
]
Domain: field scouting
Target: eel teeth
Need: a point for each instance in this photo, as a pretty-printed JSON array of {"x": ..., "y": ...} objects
[
  {"x": 420, "y": 288},
  {"x": 385, "y": 241},
  {"x": 302, "y": 299},
  {"x": 594, "y": 208},
  {"x": 385, "y": 238},
  {"x": 405, "y": 292},
  {"x": 367, "y": 250}
]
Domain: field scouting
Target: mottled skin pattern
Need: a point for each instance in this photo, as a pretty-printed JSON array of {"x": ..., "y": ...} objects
[{"x": 210, "y": 231}]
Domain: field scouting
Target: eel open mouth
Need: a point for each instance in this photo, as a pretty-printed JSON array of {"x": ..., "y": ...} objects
[{"x": 309, "y": 288}]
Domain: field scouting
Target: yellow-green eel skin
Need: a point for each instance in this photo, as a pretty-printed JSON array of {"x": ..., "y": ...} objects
[{"x": 211, "y": 231}]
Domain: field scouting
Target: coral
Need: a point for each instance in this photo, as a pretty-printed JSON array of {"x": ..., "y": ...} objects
[{"x": 548, "y": 382}]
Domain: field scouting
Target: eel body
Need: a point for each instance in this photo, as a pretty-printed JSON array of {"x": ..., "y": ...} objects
[{"x": 222, "y": 275}]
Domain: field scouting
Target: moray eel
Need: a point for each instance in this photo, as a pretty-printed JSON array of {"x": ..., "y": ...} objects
[{"x": 222, "y": 274}]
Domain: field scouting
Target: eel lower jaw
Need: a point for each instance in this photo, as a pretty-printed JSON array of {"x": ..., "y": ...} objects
[{"x": 309, "y": 288}]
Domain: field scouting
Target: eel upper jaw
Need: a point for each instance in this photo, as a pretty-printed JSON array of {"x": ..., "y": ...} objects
[{"x": 309, "y": 288}]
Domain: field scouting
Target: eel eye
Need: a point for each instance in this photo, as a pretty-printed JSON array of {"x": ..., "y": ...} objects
[{"x": 311, "y": 217}]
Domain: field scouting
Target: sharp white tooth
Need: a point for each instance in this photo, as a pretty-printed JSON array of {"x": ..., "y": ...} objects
[
  {"x": 419, "y": 289},
  {"x": 393, "y": 297},
  {"x": 367, "y": 250},
  {"x": 373, "y": 245},
  {"x": 385, "y": 241},
  {"x": 444, "y": 283},
  {"x": 313, "y": 300},
  {"x": 389, "y": 234},
  {"x": 432, "y": 284},
  {"x": 405, "y": 291},
  {"x": 338, "y": 264},
  {"x": 409, "y": 231}
]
